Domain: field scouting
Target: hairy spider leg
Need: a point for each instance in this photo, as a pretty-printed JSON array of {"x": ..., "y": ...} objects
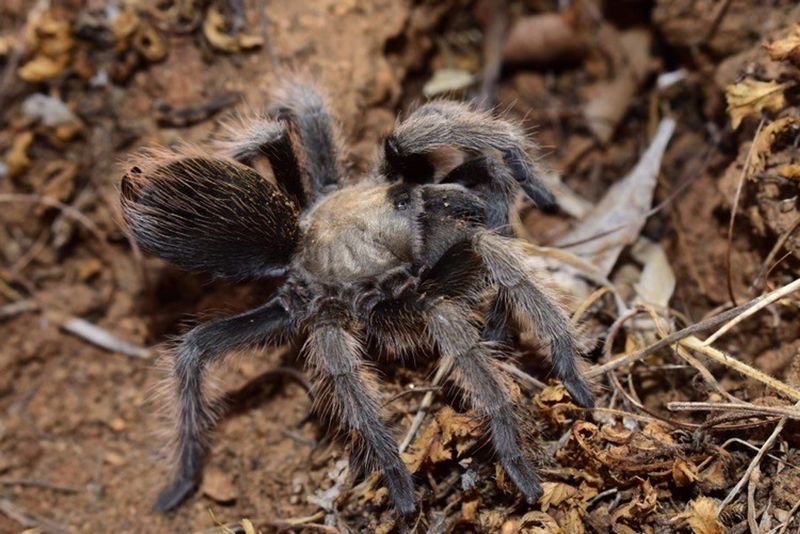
[
  {"x": 303, "y": 108},
  {"x": 444, "y": 124},
  {"x": 476, "y": 372},
  {"x": 203, "y": 346},
  {"x": 534, "y": 309},
  {"x": 345, "y": 388}
]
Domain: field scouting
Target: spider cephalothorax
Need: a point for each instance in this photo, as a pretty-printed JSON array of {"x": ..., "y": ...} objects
[{"x": 409, "y": 259}]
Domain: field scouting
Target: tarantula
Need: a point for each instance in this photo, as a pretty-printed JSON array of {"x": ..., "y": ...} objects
[{"x": 410, "y": 258}]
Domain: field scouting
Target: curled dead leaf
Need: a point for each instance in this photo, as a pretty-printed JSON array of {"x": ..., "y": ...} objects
[
  {"x": 786, "y": 48},
  {"x": 790, "y": 171},
  {"x": 459, "y": 429},
  {"x": 555, "y": 493},
  {"x": 702, "y": 517},
  {"x": 684, "y": 473},
  {"x": 42, "y": 68},
  {"x": 751, "y": 96},
  {"x": 766, "y": 139},
  {"x": 17, "y": 159},
  {"x": 539, "y": 523},
  {"x": 218, "y": 486},
  {"x": 215, "y": 31},
  {"x": 469, "y": 511},
  {"x": 149, "y": 43}
]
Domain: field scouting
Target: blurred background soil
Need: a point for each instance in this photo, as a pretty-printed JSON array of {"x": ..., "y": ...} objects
[{"x": 85, "y": 83}]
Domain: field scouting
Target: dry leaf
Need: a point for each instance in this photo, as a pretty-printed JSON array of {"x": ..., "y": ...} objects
[
  {"x": 218, "y": 486},
  {"x": 766, "y": 138},
  {"x": 491, "y": 520},
  {"x": 703, "y": 517},
  {"x": 42, "y": 68},
  {"x": 420, "y": 450},
  {"x": 543, "y": 38},
  {"x": 573, "y": 521},
  {"x": 458, "y": 428},
  {"x": 555, "y": 493},
  {"x": 684, "y": 473},
  {"x": 214, "y": 28},
  {"x": 786, "y": 48},
  {"x": 752, "y": 97},
  {"x": 247, "y": 526},
  {"x": 539, "y": 523},
  {"x": 620, "y": 215},
  {"x": 790, "y": 171},
  {"x": 469, "y": 511},
  {"x": 17, "y": 159}
]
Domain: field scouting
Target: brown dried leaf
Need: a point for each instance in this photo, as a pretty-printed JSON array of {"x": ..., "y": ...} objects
[
  {"x": 555, "y": 493},
  {"x": 214, "y": 28},
  {"x": 786, "y": 48},
  {"x": 703, "y": 517},
  {"x": 539, "y": 523},
  {"x": 469, "y": 511},
  {"x": 766, "y": 138},
  {"x": 684, "y": 473},
  {"x": 42, "y": 68},
  {"x": 790, "y": 171},
  {"x": 458, "y": 428},
  {"x": 17, "y": 159},
  {"x": 149, "y": 43},
  {"x": 420, "y": 450},
  {"x": 573, "y": 521},
  {"x": 543, "y": 38},
  {"x": 218, "y": 486},
  {"x": 752, "y": 97},
  {"x": 491, "y": 520}
]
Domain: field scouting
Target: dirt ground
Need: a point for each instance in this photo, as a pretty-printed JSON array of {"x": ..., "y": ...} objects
[{"x": 84, "y": 83}]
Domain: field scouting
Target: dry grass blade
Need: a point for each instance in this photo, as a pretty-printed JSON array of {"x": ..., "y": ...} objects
[
  {"x": 98, "y": 336},
  {"x": 788, "y": 412},
  {"x": 763, "y": 303},
  {"x": 427, "y": 400},
  {"x": 727, "y": 360},
  {"x": 754, "y": 463},
  {"x": 681, "y": 334}
]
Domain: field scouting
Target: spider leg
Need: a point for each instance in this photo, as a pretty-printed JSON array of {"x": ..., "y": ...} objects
[
  {"x": 442, "y": 124},
  {"x": 346, "y": 388},
  {"x": 203, "y": 346},
  {"x": 486, "y": 387},
  {"x": 493, "y": 183},
  {"x": 451, "y": 215},
  {"x": 534, "y": 309},
  {"x": 304, "y": 109},
  {"x": 250, "y": 137}
]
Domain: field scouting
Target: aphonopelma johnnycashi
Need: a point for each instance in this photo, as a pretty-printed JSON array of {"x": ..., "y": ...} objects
[{"x": 409, "y": 258}]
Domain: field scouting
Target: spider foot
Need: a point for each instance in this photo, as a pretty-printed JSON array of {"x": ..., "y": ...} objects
[{"x": 174, "y": 494}]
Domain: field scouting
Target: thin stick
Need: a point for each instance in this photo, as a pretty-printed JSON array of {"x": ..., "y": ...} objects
[
  {"x": 522, "y": 375},
  {"x": 751, "y": 501},
  {"x": 427, "y": 400},
  {"x": 675, "y": 337},
  {"x": 98, "y": 336},
  {"x": 769, "y": 299},
  {"x": 38, "y": 484},
  {"x": 754, "y": 463},
  {"x": 788, "y": 412},
  {"x": 693, "y": 343},
  {"x": 734, "y": 208}
]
